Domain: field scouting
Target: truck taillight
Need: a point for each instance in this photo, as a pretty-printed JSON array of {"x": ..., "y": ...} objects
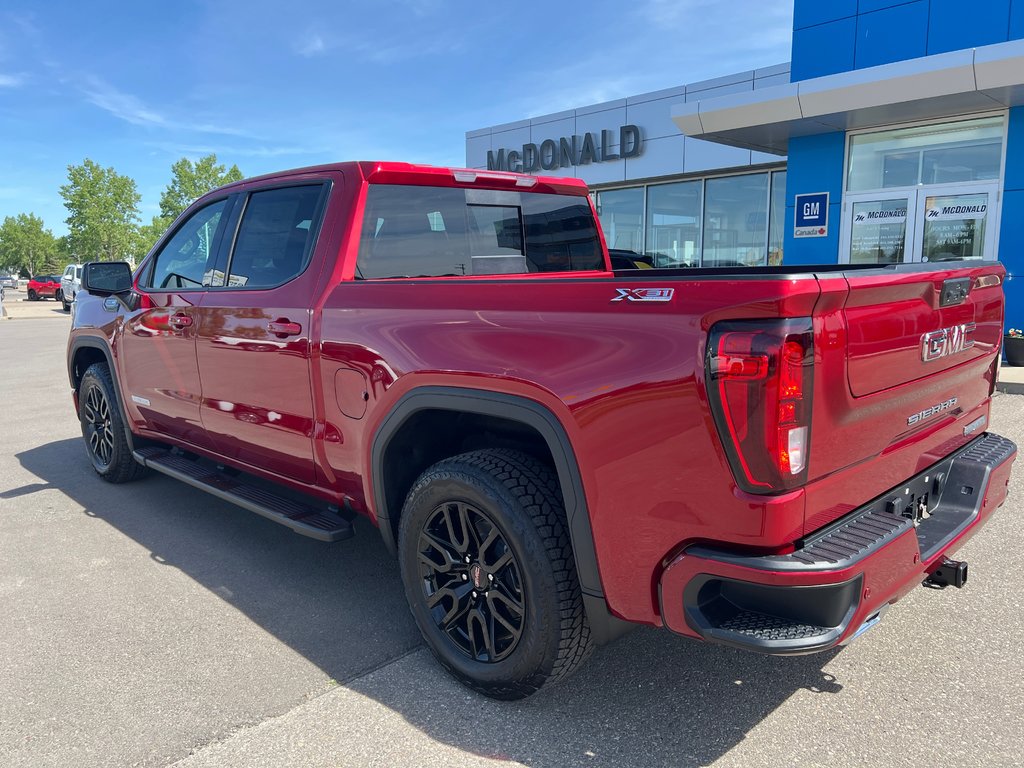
[{"x": 759, "y": 379}]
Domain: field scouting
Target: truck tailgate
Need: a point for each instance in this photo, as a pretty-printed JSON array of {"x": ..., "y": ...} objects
[
  {"x": 908, "y": 326},
  {"x": 904, "y": 371}
]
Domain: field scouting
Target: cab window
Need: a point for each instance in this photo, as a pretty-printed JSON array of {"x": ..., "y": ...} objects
[
  {"x": 275, "y": 237},
  {"x": 181, "y": 263}
]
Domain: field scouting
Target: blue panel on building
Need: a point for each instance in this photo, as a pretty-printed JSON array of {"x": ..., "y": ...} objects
[
  {"x": 867, "y": 6},
  {"x": 1014, "y": 175},
  {"x": 815, "y": 165},
  {"x": 824, "y": 49},
  {"x": 950, "y": 29},
  {"x": 893, "y": 34},
  {"x": 808, "y": 13},
  {"x": 1011, "y": 239},
  {"x": 1016, "y": 20}
]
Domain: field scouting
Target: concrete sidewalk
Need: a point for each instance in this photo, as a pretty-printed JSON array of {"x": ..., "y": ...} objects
[{"x": 1011, "y": 379}]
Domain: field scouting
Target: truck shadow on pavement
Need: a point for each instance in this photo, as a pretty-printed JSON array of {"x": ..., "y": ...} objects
[{"x": 649, "y": 699}]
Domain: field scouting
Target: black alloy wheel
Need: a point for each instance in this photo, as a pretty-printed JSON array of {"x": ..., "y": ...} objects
[
  {"x": 32, "y": 295},
  {"x": 103, "y": 427},
  {"x": 471, "y": 581},
  {"x": 489, "y": 573},
  {"x": 98, "y": 428}
]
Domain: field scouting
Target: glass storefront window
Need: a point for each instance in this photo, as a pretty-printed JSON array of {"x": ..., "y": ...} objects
[
  {"x": 777, "y": 219},
  {"x": 879, "y": 232},
  {"x": 945, "y": 153},
  {"x": 736, "y": 221},
  {"x": 954, "y": 226},
  {"x": 673, "y": 224},
  {"x": 621, "y": 212}
]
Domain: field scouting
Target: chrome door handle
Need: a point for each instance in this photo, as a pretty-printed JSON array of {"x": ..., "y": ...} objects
[{"x": 282, "y": 328}]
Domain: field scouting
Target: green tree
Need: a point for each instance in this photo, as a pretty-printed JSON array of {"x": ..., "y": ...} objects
[
  {"x": 26, "y": 245},
  {"x": 150, "y": 233},
  {"x": 192, "y": 180},
  {"x": 103, "y": 212}
]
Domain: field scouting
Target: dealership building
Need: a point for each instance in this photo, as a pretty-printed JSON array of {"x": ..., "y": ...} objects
[{"x": 895, "y": 134}]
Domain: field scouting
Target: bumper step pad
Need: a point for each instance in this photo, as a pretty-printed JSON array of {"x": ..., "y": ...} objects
[
  {"x": 305, "y": 518},
  {"x": 761, "y": 626},
  {"x": 936, "y": 504}
]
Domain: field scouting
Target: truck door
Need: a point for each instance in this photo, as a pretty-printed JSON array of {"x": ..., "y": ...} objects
[
  {"x": 157, "y": 357},
  {"x": 253, "y": 342}
]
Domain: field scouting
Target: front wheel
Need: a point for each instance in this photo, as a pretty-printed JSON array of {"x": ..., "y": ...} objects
[
  {"x": 489, "y": 572},
  {"x": 32, "y": 295},
  {"x": 103, "y": 427}
]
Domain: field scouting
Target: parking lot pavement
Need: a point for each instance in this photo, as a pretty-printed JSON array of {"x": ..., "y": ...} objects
[
  {"x": 18, "y": 307},
  {"x": 150, "y": 624}
]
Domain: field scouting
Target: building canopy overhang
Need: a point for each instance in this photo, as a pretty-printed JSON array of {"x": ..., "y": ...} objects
[{"x": 938, "y": 86}]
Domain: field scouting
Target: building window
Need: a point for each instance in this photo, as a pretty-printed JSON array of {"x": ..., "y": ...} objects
[
  {"x": 944, "y": 153},
  {"x": 621, "y": 212},
  {"x": 674, "y": 224},
  {"x": 777, "y": 219},
  {"x": 736, "y": 221}
]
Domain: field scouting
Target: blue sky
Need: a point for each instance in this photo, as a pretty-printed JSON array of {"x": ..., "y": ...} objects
[{"x": 272, "y": 85}]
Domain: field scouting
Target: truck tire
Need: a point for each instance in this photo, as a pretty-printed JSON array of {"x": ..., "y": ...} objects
[
  {"x": 64, "y": 303},
  {"x": 103, "y": 427},
  {"x": 489, "y": 572}
]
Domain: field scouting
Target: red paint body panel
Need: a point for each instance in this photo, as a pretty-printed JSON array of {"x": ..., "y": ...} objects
[
  {"x": 625, "y": 380},
  {"x": 161, "y": 377}
]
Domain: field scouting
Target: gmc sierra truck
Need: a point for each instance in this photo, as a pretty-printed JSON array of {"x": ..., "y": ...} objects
[{"x": 554, "y": 450}]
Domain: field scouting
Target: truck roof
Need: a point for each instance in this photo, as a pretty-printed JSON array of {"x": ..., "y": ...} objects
[{"x": 392, "y": 172}]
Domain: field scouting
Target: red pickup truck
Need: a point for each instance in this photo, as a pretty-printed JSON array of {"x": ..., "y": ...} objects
[{"x": 766, "y": 458}]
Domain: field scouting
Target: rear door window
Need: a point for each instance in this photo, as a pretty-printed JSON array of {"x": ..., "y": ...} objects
[
  {"x": 414, "y": 231},
  {"x": 276, "y": 236}
]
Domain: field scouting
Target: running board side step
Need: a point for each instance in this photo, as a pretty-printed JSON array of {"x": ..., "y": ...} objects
[{"x": 317, "y": 523}]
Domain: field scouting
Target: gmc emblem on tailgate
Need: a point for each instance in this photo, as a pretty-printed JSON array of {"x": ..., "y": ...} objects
[{"x": 946, "y": 341}]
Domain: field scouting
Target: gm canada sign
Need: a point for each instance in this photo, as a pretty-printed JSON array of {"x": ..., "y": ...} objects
[{"x": 567, "y": 151}]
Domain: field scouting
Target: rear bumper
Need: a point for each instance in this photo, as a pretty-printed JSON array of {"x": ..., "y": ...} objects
[{"x": 838, "y": 581}]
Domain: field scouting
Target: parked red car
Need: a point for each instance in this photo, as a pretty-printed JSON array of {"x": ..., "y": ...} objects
[{"x": 44, "y": 287}]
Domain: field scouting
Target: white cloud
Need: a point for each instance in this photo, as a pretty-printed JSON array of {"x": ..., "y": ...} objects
[
  {"x": 312, "y": 46},
  {"x": 123, "y": 106},
  {"x": 11, "y": 81},
  {"x": 131, "y": 109}
]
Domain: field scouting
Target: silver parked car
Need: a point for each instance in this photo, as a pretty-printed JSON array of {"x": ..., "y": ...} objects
[
  {"x": 70, "y": 282},
  {"x": 9, "y": 281}
]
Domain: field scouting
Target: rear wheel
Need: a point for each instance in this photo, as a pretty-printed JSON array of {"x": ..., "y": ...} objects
[
  {"x": 103, "y": 427},
  {"x": 489, "y": 572}
]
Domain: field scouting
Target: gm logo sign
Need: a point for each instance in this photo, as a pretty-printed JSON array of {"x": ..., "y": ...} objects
[
  {"x": 946, "y": 341},
  {"x": 811, "y": 219}
]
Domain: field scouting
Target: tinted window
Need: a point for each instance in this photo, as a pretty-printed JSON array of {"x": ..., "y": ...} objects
[
  {"x": 411, "y": 231},
  {"x": 181, "y": 263},
  {"x": 275, "y": 237}
]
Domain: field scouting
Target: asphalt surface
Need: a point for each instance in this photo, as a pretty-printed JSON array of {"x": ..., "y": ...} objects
[{"x": 150, "y": 624}]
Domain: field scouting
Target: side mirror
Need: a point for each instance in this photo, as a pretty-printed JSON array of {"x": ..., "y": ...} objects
[{"x": 106, "y": 278}]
